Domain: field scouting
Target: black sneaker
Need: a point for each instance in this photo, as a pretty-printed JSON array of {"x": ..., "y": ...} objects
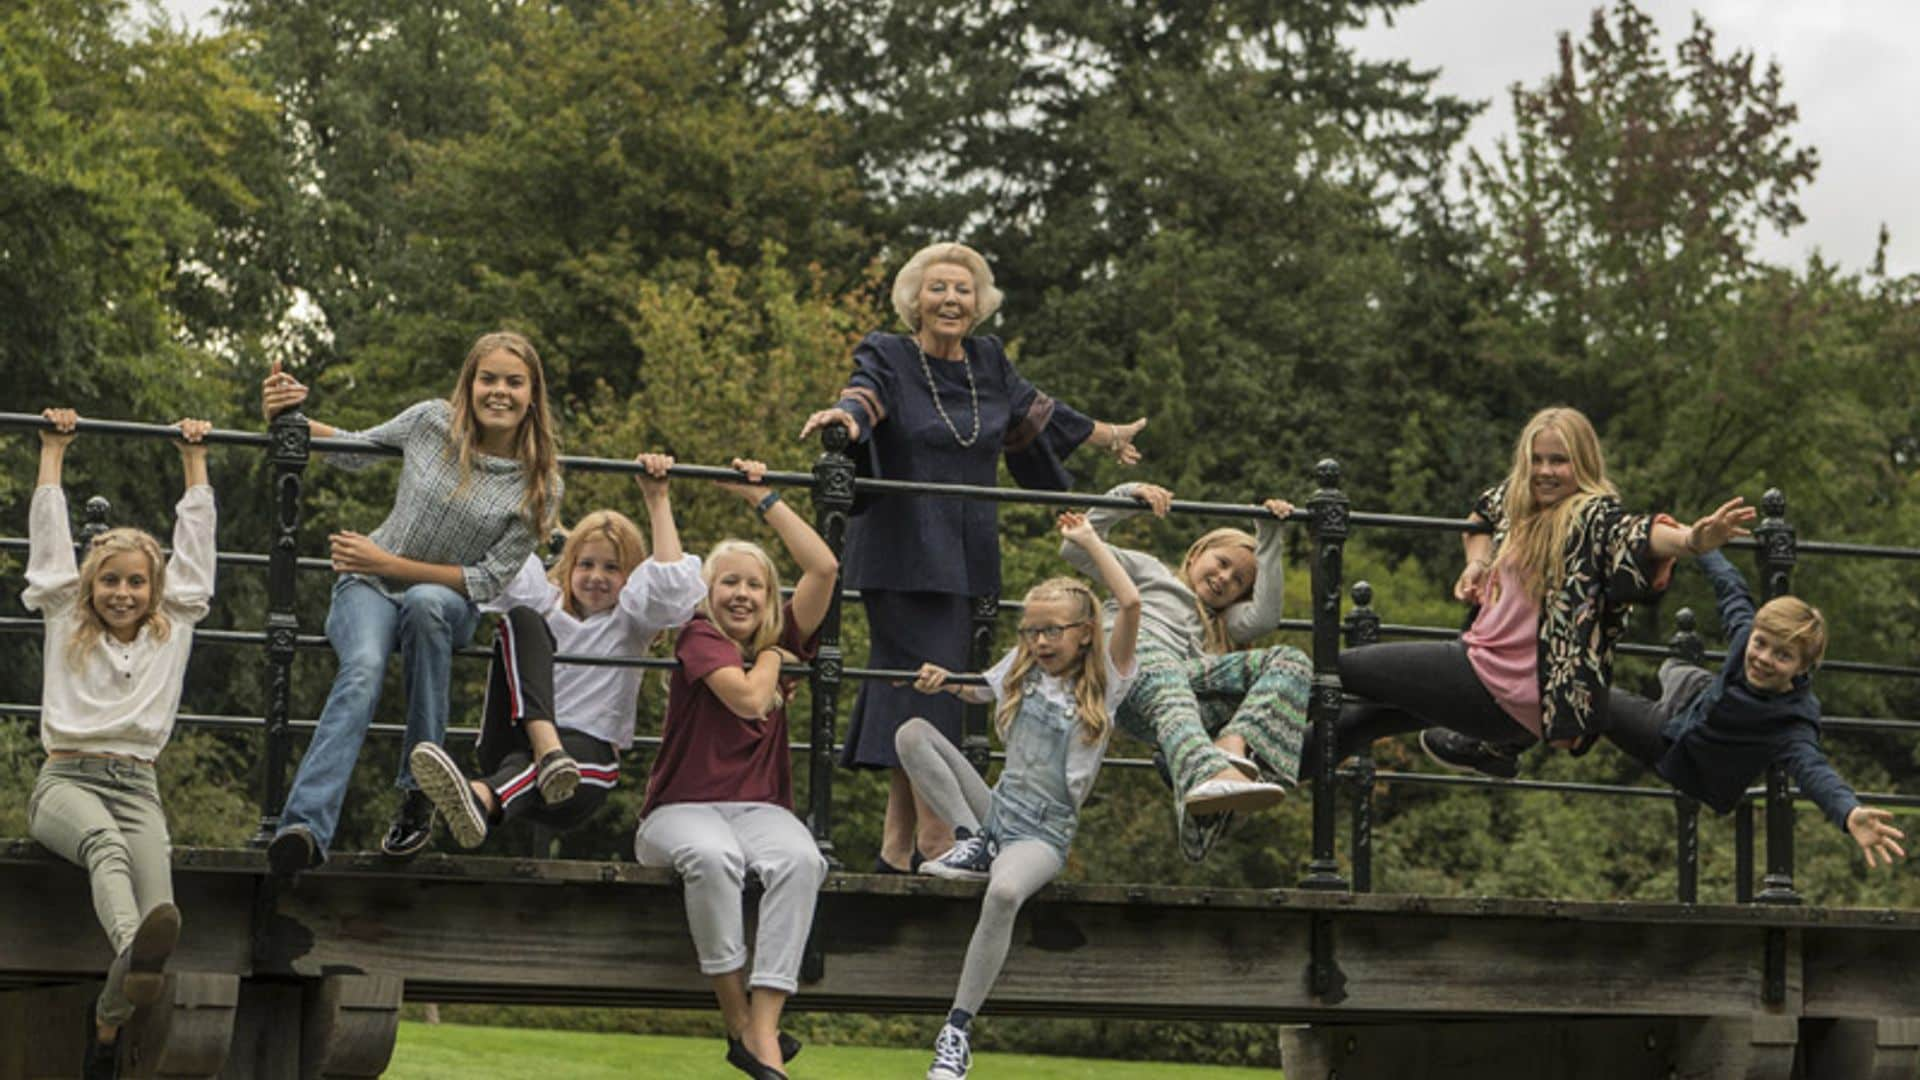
[
  {"x": 292, "y": 851},
  {"x": 102, "y": 1059},
  {"x": 559, "y": 776},
  {"x": 446, "y": 786},
  {"x": 153, "y": 942},
  {"x": 1463, "y": 753},
  {"x": 969, "y": 859},
  {"x": 412, "y": 827}
]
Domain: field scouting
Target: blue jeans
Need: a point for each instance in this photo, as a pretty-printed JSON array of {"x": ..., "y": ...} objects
[{"x": 365, "y": 627}]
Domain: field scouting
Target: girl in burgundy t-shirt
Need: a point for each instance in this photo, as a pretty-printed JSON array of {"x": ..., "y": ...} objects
[{"x": 720, "y": 800}]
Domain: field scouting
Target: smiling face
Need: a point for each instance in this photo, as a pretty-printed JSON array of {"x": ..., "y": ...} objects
[
  {"x": 947, "y": 300},
  {"x": 502, "y": 391},
  {"x": 1772, "y": 662},
  {"x": 123, "y": 593},
  {"x": 1055, "y": 632},
  {"x": 739, "y": 594},
  {"x": 1550, "y": 470},
  {"x": 596, "y": 578},
  {"x": 1222, "y": 575}
]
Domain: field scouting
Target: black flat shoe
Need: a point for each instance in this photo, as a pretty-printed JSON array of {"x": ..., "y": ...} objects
[
  {"x": 102, "y": 1060},
  {"x": 741, "y": 1058},
  {"x": 291, "y": 852},
  {"x": 412, "y": 827}
]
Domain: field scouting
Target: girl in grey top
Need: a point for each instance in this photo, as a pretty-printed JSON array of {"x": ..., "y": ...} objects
[
  {"x": 1230, "y": 720},
  {"x": 479, "y": 483}
]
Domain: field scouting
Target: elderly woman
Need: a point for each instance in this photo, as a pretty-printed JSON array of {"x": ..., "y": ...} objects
[{"x": 942, "y": 406}]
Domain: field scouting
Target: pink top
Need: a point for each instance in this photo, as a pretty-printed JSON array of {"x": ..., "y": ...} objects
[{"x": 1503, "y": 646}]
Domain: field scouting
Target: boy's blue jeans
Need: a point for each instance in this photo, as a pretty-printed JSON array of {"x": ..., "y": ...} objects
[{"x": 365, "y": 627}]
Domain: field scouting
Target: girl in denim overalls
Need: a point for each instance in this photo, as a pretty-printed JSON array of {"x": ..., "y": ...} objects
[{"x": 1055, "y": 719}]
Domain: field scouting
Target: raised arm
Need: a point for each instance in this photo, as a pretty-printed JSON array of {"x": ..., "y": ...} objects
[
  {"x": 1730, "y": 592},
  {"x": 1126, "y": 620},
  {"x": 654, "y": 496},
  {"x": 191, "y": 570},
  {"x": 1259, "y": 614},
  {"x": 53, "y": 574},
  {"x": 819, "y": 569},
  {"x": 54, "y": 443}
]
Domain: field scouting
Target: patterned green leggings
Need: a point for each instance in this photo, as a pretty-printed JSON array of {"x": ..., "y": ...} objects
[{"x": 1258, "y": 694}]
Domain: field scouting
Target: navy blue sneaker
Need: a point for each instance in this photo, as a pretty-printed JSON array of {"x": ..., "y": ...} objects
[{"x": 969, "y": 859}]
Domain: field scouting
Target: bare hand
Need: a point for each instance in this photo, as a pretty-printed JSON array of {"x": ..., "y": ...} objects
[
  {"x": 1873, "y": 830},
  {"x": 653, "y": 483},
  {"x": 191, "y": 434},
  {"x": 64, "y": 421},
  {"x": 279, "y": 392},
  {"x": 1157, "y": 498},
  {"x": 1279, "y": 508},
  {"x": 932, "y": 679},
  {"x": 1720, "y": 526},
  {"x": 1076, "y": 528},
  {"x": 834, "y": 415},
  {"x": 1121, "y": 446},
  {"x": 752, "y": 489},
  {"x": 353, "y": 553},
  {"x": 1470, "y": 586}
]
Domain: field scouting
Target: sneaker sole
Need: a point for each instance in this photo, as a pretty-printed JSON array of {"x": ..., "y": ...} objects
[
  {"x": 559, "y": 784},
  {"x": 1465, "y": 770},
  {"x": 1241, "y": 802},
  {"x": 153, "y": 944},
  {"x": 444, "y": 786},
  {"x": 934, "y": 869}
]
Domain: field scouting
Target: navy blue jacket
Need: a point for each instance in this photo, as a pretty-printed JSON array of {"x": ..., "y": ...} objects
[
  {"x": 921, "y": 543},
  {"x": 1724, "y": 739}
]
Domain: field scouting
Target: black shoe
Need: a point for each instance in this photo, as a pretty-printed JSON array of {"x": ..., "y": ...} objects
[
  {"x": 789, "y": 1048},
  {"x": 412, "y": 827},
  {"x": 882, "y": 866},
  {"x": 152, "y": 944},
  {"x": 1463, "y": 753},
  {"x": 292, "y": 851},
  {"x": 102, "y": 1060},
  {"x": 741, "y": 1058}
]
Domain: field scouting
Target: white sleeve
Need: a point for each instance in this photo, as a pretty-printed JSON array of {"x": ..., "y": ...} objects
[
  {"x": 190, "y": 572},
  {"x": 660, "y": 596},
  {"x": 997, "y": 675},
  {"x": 1259, "y": 614},
  {"x": 528, "y": 587},
  {"x": 53, "y": 577}
]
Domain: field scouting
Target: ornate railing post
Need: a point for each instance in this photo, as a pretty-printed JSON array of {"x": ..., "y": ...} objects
[
  {"x": 287, "y": 454},
  {"x": 1777, "y": 553},
  {"x": 1686, "y": 646},
  {"x": 974, "y": 721},
  {"x": 1361, "y": 628},
  {"x": 93, "y": 522},
  {"x": 1329, "y": 524},
  {"x": 832, "y": 503}
]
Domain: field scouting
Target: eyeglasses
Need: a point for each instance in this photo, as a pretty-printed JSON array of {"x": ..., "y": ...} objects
[{"x": 1032, "y": 634}]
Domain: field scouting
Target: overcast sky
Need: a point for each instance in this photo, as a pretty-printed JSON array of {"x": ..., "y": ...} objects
[{"x": 1847, "y": 65}]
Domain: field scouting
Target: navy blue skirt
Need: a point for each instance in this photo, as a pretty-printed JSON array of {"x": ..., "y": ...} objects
[{"x": 907, "y": 629}]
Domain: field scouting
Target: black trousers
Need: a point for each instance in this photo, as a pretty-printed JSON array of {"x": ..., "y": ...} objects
[
  {"x": 1411, "y": 685},
  {"x": 520, "y": 688},
  {"x": 1634, "y": 722}
]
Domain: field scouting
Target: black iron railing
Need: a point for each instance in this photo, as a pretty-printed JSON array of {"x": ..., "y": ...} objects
[{"x": 1329, "y": 520}]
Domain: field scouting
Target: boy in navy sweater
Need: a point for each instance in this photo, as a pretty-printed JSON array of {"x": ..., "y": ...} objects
[{"x": 1711, "y": 735}]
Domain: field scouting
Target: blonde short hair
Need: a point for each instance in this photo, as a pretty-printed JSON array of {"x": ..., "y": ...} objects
[
  {"x": 906, "y": 283},
  {"x": 1793, "y": 620},
  {"x": 772, "y": 617}
]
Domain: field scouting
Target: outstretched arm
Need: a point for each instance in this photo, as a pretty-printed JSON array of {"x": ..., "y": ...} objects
[
  {"x": 819, "y": 569},
  {"x": 1126, "y": 597},
  {"x": 1704, "y": 535},
  {"x": 1873, "y": 830}
]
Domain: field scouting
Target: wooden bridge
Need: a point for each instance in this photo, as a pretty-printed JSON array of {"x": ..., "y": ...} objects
[{"x": 307, "y": 981}]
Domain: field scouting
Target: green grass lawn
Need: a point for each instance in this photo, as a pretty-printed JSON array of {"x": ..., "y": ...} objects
[{"x": 459, "y": 1052}]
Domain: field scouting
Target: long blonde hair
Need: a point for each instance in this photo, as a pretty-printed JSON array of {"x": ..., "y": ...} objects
[
  {"x": 1216, "y": 639},
  {"x": 534, "y": 444},
  {"x": 1089, "y": 674},
  {"x": 1537, "y": 538},
  {"x": 617, "y": 529},
  {"x": 105, "y": 546},
  {"x": 773, "y": 618}
]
